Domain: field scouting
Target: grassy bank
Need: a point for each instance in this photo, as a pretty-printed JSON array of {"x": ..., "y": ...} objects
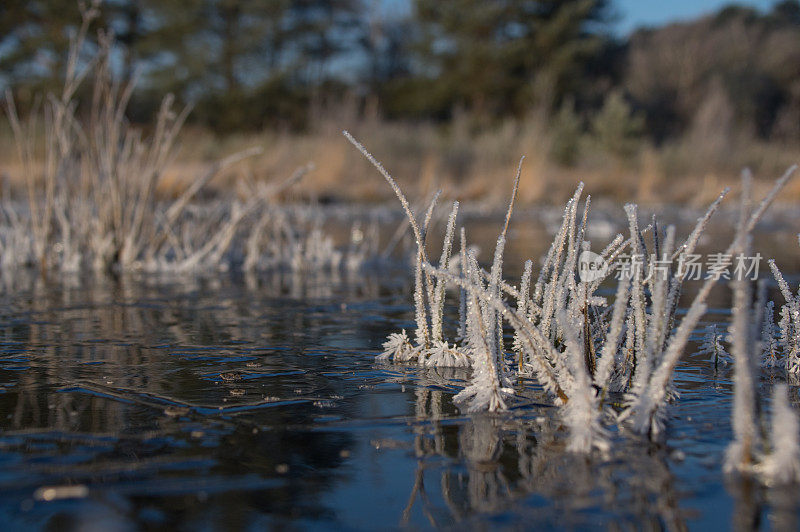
[{"x": 467, "y": 164}]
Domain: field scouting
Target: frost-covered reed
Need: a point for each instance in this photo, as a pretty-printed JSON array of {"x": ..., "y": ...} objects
[
  {"x": 789, "y": 324},
  {"x": 586, "y": 353},
  {"x": 429, "y": 347},
  {"x": 782, "y": 464},
  {"x": 91, "y": 179}
]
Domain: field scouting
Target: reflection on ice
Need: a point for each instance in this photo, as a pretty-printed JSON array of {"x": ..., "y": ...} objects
[{"x": 255, "y": 401}]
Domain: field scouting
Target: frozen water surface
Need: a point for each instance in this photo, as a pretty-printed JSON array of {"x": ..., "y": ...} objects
[{"x": 239, "y": 402}]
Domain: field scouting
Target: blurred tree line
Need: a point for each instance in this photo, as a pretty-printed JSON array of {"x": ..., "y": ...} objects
[{"x": 251, "y": 64}]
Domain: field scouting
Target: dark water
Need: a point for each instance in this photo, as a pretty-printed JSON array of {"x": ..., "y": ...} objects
[{"x": 241, "y": 403}]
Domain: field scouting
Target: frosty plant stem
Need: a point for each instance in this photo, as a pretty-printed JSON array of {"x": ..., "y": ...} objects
[
  {"x": 579, "y": 348},
  {"x": 92, "y": 202},
  {"x": 646, "y": 408}
]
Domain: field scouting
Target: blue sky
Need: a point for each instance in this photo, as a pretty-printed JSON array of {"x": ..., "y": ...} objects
[
  {"x": 636, "y": 13},
  {"x": 632, "y": 14}
]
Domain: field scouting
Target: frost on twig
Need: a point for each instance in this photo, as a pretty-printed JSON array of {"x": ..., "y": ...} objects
[
  {"x": 485, "y": 390},
  {"x": 398, "y": 348},
  {"x": 713, "y": 348},
  {"x": 742, "y": 453},
  {"x": 610, "y": 359},
  {"x": 646, "y": 407},
  {"x": 430, "y": 348},
  {"x": 769, "y": 342},
  {"x": 782, "y": 464},
  {"x": 443, "y": 355},
  {"x": 437, "y": 305},
  {"x": 789, "y": 323},
  {"x": 582, "y": 413}
]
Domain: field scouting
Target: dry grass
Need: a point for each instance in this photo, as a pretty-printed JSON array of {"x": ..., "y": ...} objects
[
  {"x": 467, "y": 160},
  {"x": 468, "y": 166},
  {"x": 87, "y": 185},
  {"x": 430, "y": 158}
]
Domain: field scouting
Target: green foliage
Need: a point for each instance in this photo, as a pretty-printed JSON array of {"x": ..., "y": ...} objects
[
  {"x": 566, "y": 131},
  {"x": 248, "y": 64},
  {"x": 616, "y": 128},
  {"x": 224, "y": 55},
  {"x": 489, "y": 57},
  {"x": 273, "y": 104},
  {"x": 34, "y": 37}
]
